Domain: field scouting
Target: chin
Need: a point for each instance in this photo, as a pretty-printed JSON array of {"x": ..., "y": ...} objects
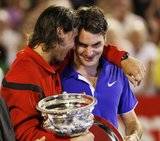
[
  {"x": 60, "y": 59},
  {"x": 88, "y": 64}
]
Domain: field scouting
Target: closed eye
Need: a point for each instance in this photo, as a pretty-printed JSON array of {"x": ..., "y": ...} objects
[{"x": 96, "y": 45}]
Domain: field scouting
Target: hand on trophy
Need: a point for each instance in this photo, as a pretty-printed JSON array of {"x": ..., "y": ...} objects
[
  {"x": 133, "y": 137},
  {"x": 41, "y": 139},
  {"x": 87, "y": 137}
]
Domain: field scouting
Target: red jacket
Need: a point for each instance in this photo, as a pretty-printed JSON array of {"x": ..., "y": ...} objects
[{"x": 29, "y": 79}]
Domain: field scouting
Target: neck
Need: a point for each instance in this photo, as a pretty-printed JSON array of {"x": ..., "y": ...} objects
[
  {"x": 44, "y": 54},
  {"x": 90, "y": 73}
]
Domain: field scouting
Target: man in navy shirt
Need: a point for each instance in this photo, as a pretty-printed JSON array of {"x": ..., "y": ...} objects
[{"x": 91, "y": 74}]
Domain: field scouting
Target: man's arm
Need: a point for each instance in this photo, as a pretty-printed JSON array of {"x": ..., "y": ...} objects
[
  {"x": 24, "y": 117},
  {"x": 133, "y": 128},
  {"x": 134, "y": 70},
  {"x": 132, "y": 67},
  {"x": 112, "y": 54},
  {"x": 87, "y": 137},
  {"x": 41, "y": 139},
  {"x": 26, "y": 120}
]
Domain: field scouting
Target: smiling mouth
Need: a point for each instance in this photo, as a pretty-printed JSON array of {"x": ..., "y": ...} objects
[{"x": 88, "y": 59}]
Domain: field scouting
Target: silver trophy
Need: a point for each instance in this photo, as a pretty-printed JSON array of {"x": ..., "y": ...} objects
[{"x": 68, "y": 114}]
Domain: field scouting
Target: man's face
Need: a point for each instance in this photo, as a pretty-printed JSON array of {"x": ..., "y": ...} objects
[
  {"x": 67, "y": 43},
  {"x": 89, "y": 48}
]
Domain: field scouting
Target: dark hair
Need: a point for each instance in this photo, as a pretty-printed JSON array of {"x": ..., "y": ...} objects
[
  {"x": 45, "y": 30},
  {"x": 92, "y": 19}
]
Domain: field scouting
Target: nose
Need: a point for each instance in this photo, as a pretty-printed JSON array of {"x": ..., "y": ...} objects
[{"x": 89, "y": 51}]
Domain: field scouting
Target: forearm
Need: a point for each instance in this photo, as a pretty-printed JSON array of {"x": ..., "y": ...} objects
[
  {"x": 134, "y": 129},
  {"x": 28, "y": 127},
  {"x": 34, "y": 133},
  {"x": 24, "y": 116}
]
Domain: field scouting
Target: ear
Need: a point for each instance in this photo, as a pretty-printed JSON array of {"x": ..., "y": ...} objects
[{"x": 60, "y": 32}]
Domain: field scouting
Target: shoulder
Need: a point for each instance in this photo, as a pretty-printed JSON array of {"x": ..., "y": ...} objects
[
  {"x": 112, "y": 72},
  {"x": 22, "y": 69},
  {"x": 108, "y": 66}
]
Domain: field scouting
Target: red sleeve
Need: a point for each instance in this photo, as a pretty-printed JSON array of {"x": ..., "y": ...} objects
[
  {"x": 112, "y": 54},
  {"x": 24, "y": 116}
]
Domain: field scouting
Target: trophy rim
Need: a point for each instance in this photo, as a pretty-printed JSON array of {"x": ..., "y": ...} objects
[{"x": 55, "y": 111}]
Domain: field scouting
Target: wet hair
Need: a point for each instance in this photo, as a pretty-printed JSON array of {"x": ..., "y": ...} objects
[
  {"x": 92, "y": 19},
  {"x": 45, "y": 30}
]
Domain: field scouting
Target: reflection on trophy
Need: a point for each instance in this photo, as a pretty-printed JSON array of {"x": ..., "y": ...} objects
[
  {"x": 70, "y": 114},
  {"x": 67, "y": 114}
]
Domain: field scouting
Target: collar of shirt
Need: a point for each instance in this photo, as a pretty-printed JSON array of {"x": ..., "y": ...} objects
[{"x": 71, "y": 72}]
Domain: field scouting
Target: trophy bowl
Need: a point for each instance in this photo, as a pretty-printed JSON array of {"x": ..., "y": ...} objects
[{"x": 68, "y": 114}]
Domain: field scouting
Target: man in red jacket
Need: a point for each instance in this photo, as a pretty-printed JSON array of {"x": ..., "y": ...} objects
[{"x": 35, "y": 72}]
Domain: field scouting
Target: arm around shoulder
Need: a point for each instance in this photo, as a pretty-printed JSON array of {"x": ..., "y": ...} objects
[{"x": 112, "y": 54}]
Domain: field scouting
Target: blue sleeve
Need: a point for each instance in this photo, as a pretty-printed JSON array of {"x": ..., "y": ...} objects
[{"x": 128, "y": 100}]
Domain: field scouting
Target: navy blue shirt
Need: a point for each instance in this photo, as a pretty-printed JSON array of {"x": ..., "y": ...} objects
[{"x": 112, "y": 90}]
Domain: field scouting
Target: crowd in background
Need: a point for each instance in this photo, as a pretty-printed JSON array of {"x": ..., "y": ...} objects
[{"x": 134, "y": 25}]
